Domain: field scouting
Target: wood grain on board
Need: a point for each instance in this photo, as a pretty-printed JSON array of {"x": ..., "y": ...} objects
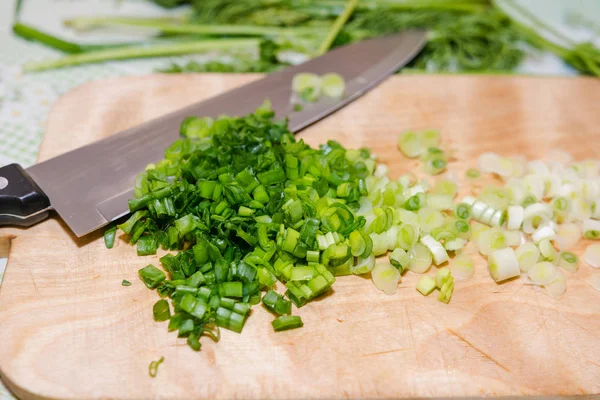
[{"x": 68, "y": 329}]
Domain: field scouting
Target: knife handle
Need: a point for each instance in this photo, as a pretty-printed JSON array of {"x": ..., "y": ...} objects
[{"x": 22, "y": 202}]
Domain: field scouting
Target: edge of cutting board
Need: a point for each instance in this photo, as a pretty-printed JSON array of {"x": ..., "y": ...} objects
[{"x": 125, "y": 114}]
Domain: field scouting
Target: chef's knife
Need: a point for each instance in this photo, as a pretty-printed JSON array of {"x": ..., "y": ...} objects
[{"x": 90, "y": 186}]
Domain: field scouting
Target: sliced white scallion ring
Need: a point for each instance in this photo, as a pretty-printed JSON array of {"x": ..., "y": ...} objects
[
  {"x": 568, "y": 235},
  {"x": 592, "y": 255},
  {"x": 430, "y": 218},
  {"x": 534, "y": 185},
  {"x": 542, "y": 273},
  {"x": 527, "y": 256},
  {"x": 498, "y": 218},
  {"x": 503, "y": 265},
  {"x": 591, "y": 229},
  {"x": 463, "y": 267},
  {"x": 381, "y": 171},
  {"x": 307, "y": 85},
  {"x": 420, "y": 259},
  {"x": 385, "y": 277},
  {"x": 491, "y": 240},
  {"x": 568, "y": 261},
  {"x": 363, "y": 265},
  {"x": 558, "y": 286},
  {"x": 455, "y": 244},
  {"x": 543, "y": 232},
  {"x": 437, "y": 250},
  {"x": 392, "y": 237},
  {"x": 513, "y": 238},
  {"x": 547, "y": 250},
  {"x": 409, "y": 143},
  {"x": 515, "y": 217}
]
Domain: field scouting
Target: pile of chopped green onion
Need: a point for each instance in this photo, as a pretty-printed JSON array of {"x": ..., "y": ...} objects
[
  {"x": 246, "y": 206},
  {"x": 309, "y": 87}
]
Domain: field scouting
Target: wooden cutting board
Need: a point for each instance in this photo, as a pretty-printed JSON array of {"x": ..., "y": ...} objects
[{"x": 68, "y": 329}]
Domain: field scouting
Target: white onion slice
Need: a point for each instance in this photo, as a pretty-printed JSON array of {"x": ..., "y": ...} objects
[
  {"x": 558, "y": 286},
  {"x": 437, "y": 250},
  {"x": 463, "y": 267},
  {"x": 513, "y": 238},
  {"x": 527, "y": 256},
  {"x": 543, "y": 232},
  {"x": 592, "y": 255},
  {"x": 542, "y": 273}
]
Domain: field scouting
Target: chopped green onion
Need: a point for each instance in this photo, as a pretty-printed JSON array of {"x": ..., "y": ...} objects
[
  {"x": 438, "y": 251},
  {"x": 125, "y": 283},
  {"x": 568, "y": 261},
  {"x": 420, "y": 259},
  {"x": 446, "y": 290},
  {"x": 463, "y": 267},
  {"x": 385, "y": 278},
  {"x": 430, "y": 219},
  {"x": 591, "y": 229},
  {"x": 363, "y": 265},
  {"x": 558, "y": 286},
  {"x": 441, "y": 276},
  {"x": 527, "y": 256},
  {"x": 153, "y": 367},
  {"x": 274, "y": 302},
  {"x": 109, "y": 236},
  {"x": 473, "y": 173},
  {"x": 286, "y": 322},
  {"x": 400, "y": 259},
  {"x": 333, "y": 85},
  {"x": 307, "y": 86},
  {"x": 410, "y": 144},
  {"x": 547, "y": 250},
  {"x": 161, "y": 311},
  {"x": 542, "y": 273},
  {"x": 503, "y": 264},
  {"x": 151, "y": 276},
  {"x": 463, "y": 211},
  {"x": 426, "y": 285}
]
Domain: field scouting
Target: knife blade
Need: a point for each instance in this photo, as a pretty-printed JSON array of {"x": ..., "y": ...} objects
[{"x": 89, "y": 187}]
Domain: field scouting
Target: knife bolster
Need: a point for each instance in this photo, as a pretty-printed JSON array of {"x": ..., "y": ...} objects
[{"x": 22, "y": 202}]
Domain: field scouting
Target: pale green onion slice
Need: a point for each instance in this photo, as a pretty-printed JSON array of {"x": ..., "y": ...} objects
[
  {"x": 595, "y": 282},
  {"x": 363, "y": 265},
  {"x": 408, "y": 235},
  {"x": 568, "y": 261},
  {"x": 408, "y": 217},
  {"x": 437, "y": 250},
  {"x": 400, "y": 259},
  {"x": 430, "y": 138},
  {"x": 410, "y": 144},
  {"x": 547, "y": 250},
  {"x": 592, "y": 255},
  {"x": 446, "y": 290},
  {"x": 463, "y": 267},
  {"x": 430, "y": 218},
  {"x": 591, "y": 229},
  {"x": 333, "y": 85},
  {"x": 513, "y": 238},
  {"x": 527, "y": 256},
  {"x": 503, "y": 265},
  {"x": 491, "y": 240},
  {"x": 420, "y": 259},
  {"x": 307, "y": 86},
  {"x": 440, "y": 201},
  {"x": 582, "y": 210},
  {"x": 392, "y": 237},
  {"x": 596, "y": 209},
  {"x": 425, "y": 285},
  {"x": 441, "y": 275},
  {"x": 558, "y": 286},
  {"x": 498, "y": 218},
  {"x": 447, "y": 187},
  {"x": 568, "y": 235},
  {"x": 385, "y": 277},
  {"x": 543, "y": 233},
  {"x": 380, "y": 243},
  {"x": 535, "y": 186},
  {"x": 473, "y": 173},
  {"x": 515, "y": 217},
  {"x": 455, "y": 244},
  {"x": 542, "y": 273}
]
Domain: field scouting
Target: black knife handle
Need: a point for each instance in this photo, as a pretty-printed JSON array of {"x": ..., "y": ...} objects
[{"x": 22, "y": 202}]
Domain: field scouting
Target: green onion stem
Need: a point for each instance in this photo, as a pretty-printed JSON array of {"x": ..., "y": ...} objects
[
  {"x": 85, "y": 23},
  {"x": 337, "y": 26},
  {"x": 141, "y": 52}
]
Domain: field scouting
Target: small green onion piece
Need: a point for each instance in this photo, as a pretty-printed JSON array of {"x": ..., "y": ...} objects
[
  {"x": 312, "y": 256},
  {"x": 447, "y": 187},
  {"x": 547, "y": 250},
  {"x": 307, "y": 86},
  {"x": 446, "y": 290},
  {"x": 274, "y": 302},
  {"x": 568, "y": 261},
  {"x": 125, "y": 283},
  {"x": 463, "y": 267},
  {"x": 298, "y": 107},
  {"x": 542, "y": 273},
  {"x": 420, "y": 259},
  {"x": 151, "y": 276},
  {"x": 463, "y": 211},
  {"x": 385, "y": 278},
  {"x": 400, "y": 259},
  {"x": 491, "y": 240},
  {"x": 363, "y": 265},
  {"x": 430, "y": 218},
  {"x": 527, "y": 256},
  {"x": 426, "y": 285},
  {"x": 438, "y": 251},
  {"x": 455, "y": 244},
  {"x": 286, "y": 322},
  {"x": 161, "y": 310},
  {"x": 473, "y": 173},
  {"x": 302, "y": 273},
  {"x": 146, "y": 246},
  {"x": 410, "y": 144},
  {"x": 153, "y": 367},
  {"x": 503, "y": 264},
  {"x": 380, "y": 244},
  {"x": 435, "y": 166},
  {"x": 591, "y": 229},
  {"x": 429, "y": 138},
  {"x": 357, "y": 243},
  {"x": 109, "y": 236},
  {"x": 441, "y": 275},
  {"x": 231, "y": 289},
  {"x": 440, "y": 201},
  {"x": 333, "y": 85}
]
